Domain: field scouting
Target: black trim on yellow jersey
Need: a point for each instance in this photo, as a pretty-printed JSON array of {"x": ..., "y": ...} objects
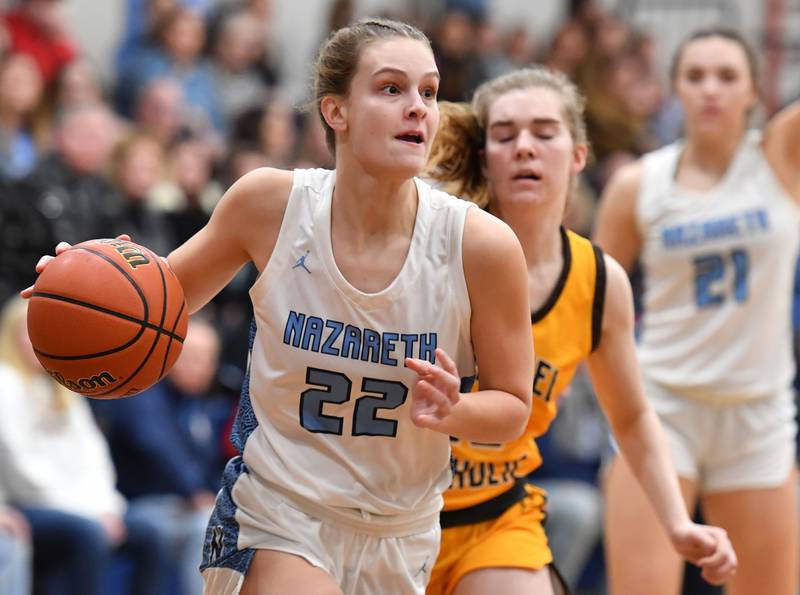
[
  {"x": 485, "y": 511},
  {"x": 599, "y": 296},
  {"x": 562, "y": 279}
]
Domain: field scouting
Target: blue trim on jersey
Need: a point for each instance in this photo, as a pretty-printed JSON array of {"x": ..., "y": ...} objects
[
  {"x": 467, "y": 382},
  {"x": 246, "y": 422},
  {"x": 220, "y": 549}
]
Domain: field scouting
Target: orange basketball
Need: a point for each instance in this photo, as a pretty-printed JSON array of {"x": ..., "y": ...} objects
[{"x": 107, "y": 318}]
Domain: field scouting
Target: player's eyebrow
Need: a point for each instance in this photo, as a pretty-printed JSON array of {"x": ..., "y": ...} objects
[
  {"x": 535, "y": 121},
  {"x": 401, "y": 72}
]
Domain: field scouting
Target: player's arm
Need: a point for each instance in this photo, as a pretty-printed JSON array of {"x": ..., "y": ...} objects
[
  {"x": 614, "y": 371},
  {"x": 615, "y": 228},
  {"x": 497, "y": 281},
  {"x": 782, "y": 147},
  {"x": 244, "y": 226}
]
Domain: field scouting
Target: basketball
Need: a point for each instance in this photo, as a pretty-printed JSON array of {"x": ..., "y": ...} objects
[{"x": 107, "y": 318}]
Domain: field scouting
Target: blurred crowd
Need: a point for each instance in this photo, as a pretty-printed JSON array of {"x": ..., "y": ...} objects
[{"x": 115, "y": 499}]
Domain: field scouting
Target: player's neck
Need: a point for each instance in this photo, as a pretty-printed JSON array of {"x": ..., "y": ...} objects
[
  {"x": 365, "y": 206},
  {"x": 537, "y": 231},
  {"x": 711, "y": 153}
]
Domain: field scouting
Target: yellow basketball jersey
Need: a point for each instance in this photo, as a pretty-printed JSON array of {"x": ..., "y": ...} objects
[{"x": 566, "y": 329}]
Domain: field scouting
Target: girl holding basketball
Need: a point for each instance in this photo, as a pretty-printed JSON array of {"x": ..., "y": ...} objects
[
  {"x": 376, "y": 295},
  {"x": 713, "y": 221},
  {"x": 516, "y": 151}
]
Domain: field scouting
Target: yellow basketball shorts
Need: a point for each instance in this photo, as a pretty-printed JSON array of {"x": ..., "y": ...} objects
[{"x": 516, "y": 539}]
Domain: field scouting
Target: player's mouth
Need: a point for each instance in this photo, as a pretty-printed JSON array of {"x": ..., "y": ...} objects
[
  {"x": 532, "y": 176},
  {"x": 413, "y": 137}
]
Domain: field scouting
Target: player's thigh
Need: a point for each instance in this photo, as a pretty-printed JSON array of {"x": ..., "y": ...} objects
[
  {"x": 513, "y": 581},
  {"x": 763, "y": 527},
  {"x": 639, "y": 555},
  {"x": 272, "y": 572}
]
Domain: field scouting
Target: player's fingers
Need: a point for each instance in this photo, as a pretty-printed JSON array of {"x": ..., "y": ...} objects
[
  {"x": 448, "y": 365},
  {"x": 124, "y": 237},
  {"x": 422, "y": 367},
  {"x": 720, "y": 566},
  {"x": 43, "y": 262},
  {"x": 719, "y": 575},
  {"x": 27, "y": 292},
  {"x": 723, "y": 555},
  {"x": 446, "y": 382},
  {"x": 62, "y": 247},
  {"x": 439, "y": 404}
]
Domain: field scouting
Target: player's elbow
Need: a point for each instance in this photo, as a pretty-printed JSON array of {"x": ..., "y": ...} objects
[{"x": 516, "y": 417}]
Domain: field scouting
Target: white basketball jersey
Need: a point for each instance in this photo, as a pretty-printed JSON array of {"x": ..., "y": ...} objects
[
  {"x": 718, "y": 278},
  {"x": 328, "y": 386}
]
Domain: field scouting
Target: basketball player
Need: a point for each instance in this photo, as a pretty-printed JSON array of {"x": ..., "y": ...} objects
[
  {"x": 713, "y": 219},
  {"x": 516, "y": 151},
  {"x": 367, "y": 277}
]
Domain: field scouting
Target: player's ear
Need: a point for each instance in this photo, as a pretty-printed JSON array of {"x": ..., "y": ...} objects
[{"x": 334, "y": 110}]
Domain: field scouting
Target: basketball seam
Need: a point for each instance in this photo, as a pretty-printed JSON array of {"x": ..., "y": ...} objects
[
  {"x": 164, "y": 315},
  {"x": 169, "y": 344},
  {"x": 142, "y": 323},
  {"x": 159, "y": 330}
]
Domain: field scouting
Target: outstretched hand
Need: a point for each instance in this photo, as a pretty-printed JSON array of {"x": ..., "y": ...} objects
[
  {"x": 436, "y": 390},
  {"x": 45, "y": 260},
  {"x": 710, "y": 549}
]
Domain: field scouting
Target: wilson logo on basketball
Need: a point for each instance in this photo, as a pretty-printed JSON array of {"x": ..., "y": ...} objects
[
  {"x": 100, "y": 380},
  {"x": 130, "y": 252}
]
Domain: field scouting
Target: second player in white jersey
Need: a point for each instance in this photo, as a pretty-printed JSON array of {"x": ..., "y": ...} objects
[
  {"x": 713, "y": 220},
  {"x": 718, "y": 266}
]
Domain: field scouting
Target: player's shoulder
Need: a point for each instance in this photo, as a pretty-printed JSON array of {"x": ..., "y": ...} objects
[
  {"x": 628, "y": 178},
  {"x": 488, "y": 241},
  {"x": 260, "y": 192},
  {"x": 268, "y": 183},
  {"x": 439, "y": 199}
]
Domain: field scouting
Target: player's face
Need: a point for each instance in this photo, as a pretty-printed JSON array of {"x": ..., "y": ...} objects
[
  {"x": 715, "y": 85},
  {"x": 529, "y": 154},
  {"x": 391, "y": 111}
]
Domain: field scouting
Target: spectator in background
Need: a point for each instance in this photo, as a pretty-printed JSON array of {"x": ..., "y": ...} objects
[
  {"x": 569, "y": 51},
  {"x": 21, "y": 92},
  {"x": 312, "y": 151},
  {"x": 179, "y": 37},
  {"x": 272, "y": 127},
  {"x": 192, "y": 193},
  {"x": 78, "y": 83},
  {"x": 242, "y": 157},
  {"x": 493, "y": 61},
  {"x": 237, "y": 48},
  {"x": 159, "y": 109},
  {"x": 261, "y": 12},
  {"x": 140, "y": 19},
  {"x": 137, "y": 167},
  {"x": 454, "y": 49},
  {"x": 15, "y": 554},
  {"x": 520, "y": 48},
  {"x": 69, "y": 187},
  {"x": 37, "y": 28},
  {"x": 25, "y": 231},
  {"x": 165, "y": 445},
  {"x": 57, "y": 470}
]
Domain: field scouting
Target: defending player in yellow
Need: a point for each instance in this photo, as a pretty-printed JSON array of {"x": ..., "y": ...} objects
[{"x": 515, "y": 151}]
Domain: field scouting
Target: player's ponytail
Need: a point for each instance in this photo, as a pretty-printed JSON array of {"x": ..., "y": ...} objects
[{"x": 455, "y": 156}]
